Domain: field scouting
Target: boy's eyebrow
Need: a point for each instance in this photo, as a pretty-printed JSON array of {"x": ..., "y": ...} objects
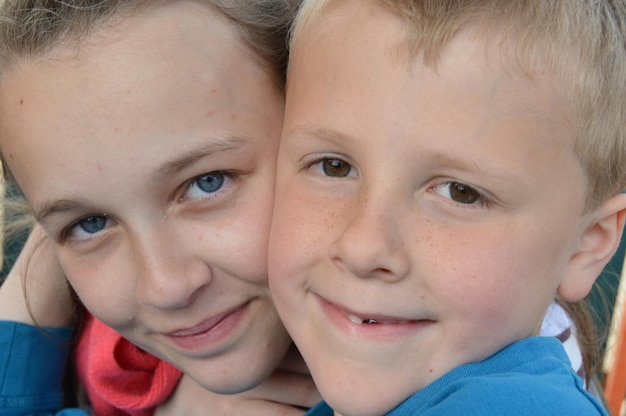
[
  {"x": 171, "y": 167},
  {"x": 329, "y": 135}
]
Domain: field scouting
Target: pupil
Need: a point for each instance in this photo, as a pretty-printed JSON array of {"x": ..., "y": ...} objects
[
  {"x": 336, "y": 167},
  {"x": 94, "y": 224},
  {"x": 211, "y": 182},
  {"x": 463, "y": 194}
]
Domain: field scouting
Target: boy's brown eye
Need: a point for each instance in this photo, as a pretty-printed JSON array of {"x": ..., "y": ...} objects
[
  {"x": 463, "y": 194},
  {"x": 336, "y": 168}
]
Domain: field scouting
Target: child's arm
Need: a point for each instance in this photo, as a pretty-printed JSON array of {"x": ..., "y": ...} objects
[
  {"x": 33, "y": 358},
  {"x": 288, "y": 391},
  {"x": 37, "y": 282}
]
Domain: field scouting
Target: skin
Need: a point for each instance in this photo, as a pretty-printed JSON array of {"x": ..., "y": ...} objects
[
  {"x": 154, "y": 180},
  {"x": 438, "y": 214}
]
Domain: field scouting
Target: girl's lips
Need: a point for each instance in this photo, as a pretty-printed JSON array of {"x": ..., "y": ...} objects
[{"x": 209, "y": 332}]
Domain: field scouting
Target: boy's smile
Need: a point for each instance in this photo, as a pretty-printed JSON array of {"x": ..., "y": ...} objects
[{"x": 420, "y": 220}]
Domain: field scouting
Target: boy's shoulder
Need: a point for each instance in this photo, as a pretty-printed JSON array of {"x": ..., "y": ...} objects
[{"x": 531, "y": 376}]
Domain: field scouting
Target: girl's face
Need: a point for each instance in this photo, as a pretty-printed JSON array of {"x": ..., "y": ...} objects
[{"x": 148, "y": 154}]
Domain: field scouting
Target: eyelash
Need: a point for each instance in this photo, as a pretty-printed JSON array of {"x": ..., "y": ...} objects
[
  {"x": 227, "y": 177},
  {"x": 312, "y": 164},
  {"x": 481, "y": 200},
  {"x": 67, "y": 231}
]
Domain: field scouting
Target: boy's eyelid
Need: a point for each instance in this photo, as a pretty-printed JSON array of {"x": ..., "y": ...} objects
[
  {"x": 488, "y": 198},
  {"x": 310, "y": 162},
  {"x": 314, "y": 157}
]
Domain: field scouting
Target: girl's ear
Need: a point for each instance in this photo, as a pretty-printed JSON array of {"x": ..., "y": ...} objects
[{"x": 596, "y": 247}]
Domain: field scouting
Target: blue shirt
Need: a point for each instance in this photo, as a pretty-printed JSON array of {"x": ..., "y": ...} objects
[
  {"x": 32, "y": 363},
  {"x": 529, "y": 377}
]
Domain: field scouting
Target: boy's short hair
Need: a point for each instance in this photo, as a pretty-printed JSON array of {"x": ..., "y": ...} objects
[{"x": 582, "y": 42}]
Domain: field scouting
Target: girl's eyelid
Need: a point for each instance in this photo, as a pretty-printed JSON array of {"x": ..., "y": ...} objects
[
  {"x": 232, "y": 176},
  {"x": 64, "y": 234}
]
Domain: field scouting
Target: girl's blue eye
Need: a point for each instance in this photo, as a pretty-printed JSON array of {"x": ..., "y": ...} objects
[
  {"x": 92, "y": 224},
  {"x": 86, "y": 227},
  {"x": 211, "y": 182}
]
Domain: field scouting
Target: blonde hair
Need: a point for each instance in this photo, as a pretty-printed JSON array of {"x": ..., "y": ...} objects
[{"x": 582, "y": 41}]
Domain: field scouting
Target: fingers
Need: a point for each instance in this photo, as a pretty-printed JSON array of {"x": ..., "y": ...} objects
[
  {"x": 190, "y": 399},
  {"x": 262, "y": 408}
]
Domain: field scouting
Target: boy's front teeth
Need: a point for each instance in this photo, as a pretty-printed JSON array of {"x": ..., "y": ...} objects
[{"x": 360, "y": 321}]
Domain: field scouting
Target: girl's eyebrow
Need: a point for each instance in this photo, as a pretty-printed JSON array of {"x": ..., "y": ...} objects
[
  {"x": 50, "y": 208},
  {"x": 208, "y": 147}
]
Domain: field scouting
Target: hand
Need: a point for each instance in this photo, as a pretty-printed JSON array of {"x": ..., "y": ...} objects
[
  {"x": 36, "y": 290},
  {"x": 277, "y": 396}
]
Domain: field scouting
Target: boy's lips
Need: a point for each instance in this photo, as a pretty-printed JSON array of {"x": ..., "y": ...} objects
[
  {"x": 370, "y": 324},
  {"x": 372, "y": 321}
]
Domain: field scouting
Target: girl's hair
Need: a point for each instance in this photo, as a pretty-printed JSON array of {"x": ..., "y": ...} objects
[
  {"x": 586, "y": 335},
  {"x": 33, "y": 28},
  {"x": 583, "y": 43}
]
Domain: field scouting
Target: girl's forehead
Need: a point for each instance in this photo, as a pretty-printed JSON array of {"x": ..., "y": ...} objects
[{"x": 128, "y": 102}]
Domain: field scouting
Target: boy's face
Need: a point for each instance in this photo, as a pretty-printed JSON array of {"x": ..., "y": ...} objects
[
  {"x": 149, "y": 155},
  {"x": 440, "y": 205}
]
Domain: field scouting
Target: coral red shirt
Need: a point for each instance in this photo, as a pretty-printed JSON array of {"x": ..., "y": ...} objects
[{"x": 121, "y": 379}]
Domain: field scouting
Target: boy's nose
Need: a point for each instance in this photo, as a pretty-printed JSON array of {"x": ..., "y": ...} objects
[
  {"x": 169, "y": 276},
  {"x": 370, "y": 244}
]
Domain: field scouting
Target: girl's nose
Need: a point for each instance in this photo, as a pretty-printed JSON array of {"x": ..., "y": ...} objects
[{"x": 169, "y": 275}]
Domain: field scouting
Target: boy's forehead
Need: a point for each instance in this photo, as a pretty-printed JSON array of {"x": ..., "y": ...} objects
[{"x": 350, "y": 62}]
